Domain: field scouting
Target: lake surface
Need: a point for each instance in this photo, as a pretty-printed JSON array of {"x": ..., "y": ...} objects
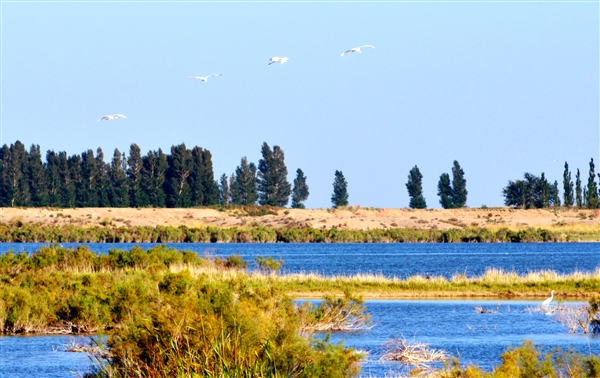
[
  {"x": 451, "y": 325},
  {"x": 400, "y": 260}
]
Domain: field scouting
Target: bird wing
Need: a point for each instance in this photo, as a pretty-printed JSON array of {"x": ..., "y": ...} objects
[
  {"x": 194, "y": 77},
  {"x": 120, "y": 115},
  {"x": 104, "y": 118},
  {"x": 283, "y": 60},
  {"x": 347, "y": 51},
  {"x": 367, "y": 46},
  {"x": 214, "y": 75}
]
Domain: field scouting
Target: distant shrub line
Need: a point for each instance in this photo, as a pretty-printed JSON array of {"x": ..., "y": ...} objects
[{"x": 20, "y": 232}]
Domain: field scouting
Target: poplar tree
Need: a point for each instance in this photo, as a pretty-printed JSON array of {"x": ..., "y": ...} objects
[
  {"x": 154, "y": 168},
  {"x": 224, "y": 190},
  {"x": 53, "y": 181},
  {"x": 14, "y": 175},
  {"x": 300, "y": 191},
  {"x": 134, "y": 176},
  {"x": 578, "y": 196},
  {"x": 340, "y": 190},
  {"x": 567, "y": 187},
  {"x": 209, "y": 184},
  {"x": 102, "y": 184},
  {"x": 89, "y": 174},
  {"x": 445, "y": 191},
  {"x": 180, "y": 168},
  {"x": 196, "y": 179},
  {"x": 592, "y": 188},
  {"x": 37, "y": 177},
  {"x": 67, "y": 190},
  {"x": 459, "y": 186},
  {"x": 415, "y": 189},
  {"x": 545, "y": 193},
  {"x": 76, "y": 174},
  {"x": 273, "y": 187},
  {"x": 555, "y": 194},
  {"x": 119, "y": 192},
  {"x": 244, "y": 190}
]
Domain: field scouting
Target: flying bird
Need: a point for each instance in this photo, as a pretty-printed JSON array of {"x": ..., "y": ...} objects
[
  {"x": 356, "y": 49},
  {"x": 546, "y": 302},
  {"x": 204, "y": 78},
  {"x": 277, "y": 59},
  {"x": 111, "y": 117}
]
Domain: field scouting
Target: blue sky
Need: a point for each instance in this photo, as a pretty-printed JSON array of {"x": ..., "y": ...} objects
[{"x": 502, "y": 87}]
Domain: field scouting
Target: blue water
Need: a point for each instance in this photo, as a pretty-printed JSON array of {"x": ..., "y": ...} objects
[
  {"x": 451, "y": 325},
  {"x": 400, "y": 260}
]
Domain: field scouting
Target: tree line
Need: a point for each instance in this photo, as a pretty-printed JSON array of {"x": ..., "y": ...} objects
[
  {"x": 182, "y": 178},
  {"x": 185, "y": 178},
  {"x": 537, "y": 192}
]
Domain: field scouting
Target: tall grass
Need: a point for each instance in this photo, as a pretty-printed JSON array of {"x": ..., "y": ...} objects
[{"x": 22, "y": 232}]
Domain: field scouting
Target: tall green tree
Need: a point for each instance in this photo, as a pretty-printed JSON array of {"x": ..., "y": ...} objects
[
  {"x": 196, "y": 179},
  {"x": 119, "y": 191},
  {"x": 415, "y": 189},
  {"x": 273, "y": 187},
  {"x": 89, "y": 177},
  {"x": 545, "y": 195},
  {"x": 300, "y": 191},
  {"x": 567, "y": 187},
  {"x": 134, "y": 176},
  {"x": 459, "y": 186},
  {"x": 15, "y": 180},
  {"x": 578, "y": 196},
  {"x": 67, "y": 190},
  {"x": 180, "y": 169},
  {"x": 53, "y": 181},
  {"x": 75, "y": 173},
  {"x": 154, "y": 168},
  {"x": 244, "y": 188},
  {"x": 340, "y": 190},
  {"x": 592, "y": 188},
  {"x": 6, "y": 187},
  {"x": 554, "y": 194},
  {"x": 224, "y": 190},
  {"x": 445, "y": 191},
  {"x": 37, "y": 177},
  {"x": 209, "y": 184},
  {"x": 102, "y": 183}
]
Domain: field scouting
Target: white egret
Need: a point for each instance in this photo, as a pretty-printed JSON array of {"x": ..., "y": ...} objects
[
  {"x": 204, "y": 78},
  {"x": 356, "y": 49},
  {"x": 546, "y": 302},
  {"x": 111, "y": 117},
  {"x": 277, "y": 59}
]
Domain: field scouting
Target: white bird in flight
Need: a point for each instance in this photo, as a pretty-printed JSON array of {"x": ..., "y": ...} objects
[
  {"x": 111, "y": 117},
  {"x": 277, "y": 59},
  {"x": 204, "y": 78},
  {"x": 356, "y": 49},
  {"x": 546, "y": 302}
]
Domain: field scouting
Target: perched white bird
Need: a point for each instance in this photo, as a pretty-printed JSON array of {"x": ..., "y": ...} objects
[
  {"x": 111, "y": 117},
  {"x": 204, "y": 78},
  {"x": 547, "y": 301},
  {"x": 356, "y": 49},
  {"x": 277, "y": 59}
]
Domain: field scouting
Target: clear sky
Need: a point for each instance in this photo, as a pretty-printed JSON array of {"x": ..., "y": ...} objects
[{"x": 502, "y": 87}]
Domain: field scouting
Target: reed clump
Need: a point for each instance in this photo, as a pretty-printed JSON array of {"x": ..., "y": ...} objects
[
  {"x": 335, "y": 314},
  {"x": 414, "y": 353}
]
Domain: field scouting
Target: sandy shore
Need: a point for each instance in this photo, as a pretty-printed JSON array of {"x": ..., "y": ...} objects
[{"x": 354, "y": 218}]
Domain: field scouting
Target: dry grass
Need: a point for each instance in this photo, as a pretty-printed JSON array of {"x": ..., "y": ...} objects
[{"x": 413, "y": 353}]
